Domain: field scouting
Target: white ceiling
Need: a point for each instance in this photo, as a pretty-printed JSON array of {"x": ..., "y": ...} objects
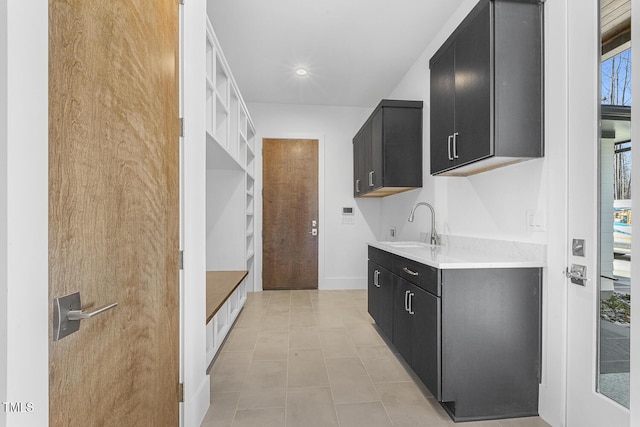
[{"x": 356, "y": 51}]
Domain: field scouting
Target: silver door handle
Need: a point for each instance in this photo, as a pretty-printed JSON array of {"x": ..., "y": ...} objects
[
  {"x": 449, "y": 139},
  {"x": 67, "y": 314},
  {"x": 406, "y": 300},
  {"x": 376, "y": 278},
  {"x": 406, "y": 270},
  {"x": 371, "y": 178},
  {"x": 577, "y": 274},
  {"x": 411, "y": 295},
  {"x": 455, "y": 145},
  {"x": 79, "y": 314},
  {"x": 357, "y": 185}
]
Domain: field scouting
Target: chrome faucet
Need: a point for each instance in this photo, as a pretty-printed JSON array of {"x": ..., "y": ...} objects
[{"x": 434, "y": 238}]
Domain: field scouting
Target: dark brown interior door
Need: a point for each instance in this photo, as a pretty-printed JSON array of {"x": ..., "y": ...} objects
[
  {"x": 113, "y": 210},
  {"x": 290, "y": 214}
]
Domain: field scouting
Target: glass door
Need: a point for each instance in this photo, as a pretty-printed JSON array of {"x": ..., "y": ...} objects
[
  {"x": 615, "y": 226},
  {"x": 587, "y": 406}
]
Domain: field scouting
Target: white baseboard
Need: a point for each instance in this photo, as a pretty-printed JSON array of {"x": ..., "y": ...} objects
[
  {"x": 198, "y": 404},
  {"x": 342, "y": 283}
]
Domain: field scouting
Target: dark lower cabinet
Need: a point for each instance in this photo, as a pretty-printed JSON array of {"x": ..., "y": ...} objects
[
  {"x": 426, "y": 334},
  {"x": 416, "y": 331},
  {"x": 472, "y": 336},
  {"x": 491, "y": 342},
  {"x": 380, "y": 297},
  {"x": 402, "y": 321}
]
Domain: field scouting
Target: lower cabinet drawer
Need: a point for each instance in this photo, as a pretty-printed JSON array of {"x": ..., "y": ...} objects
[
  {"x": 421, "y": 275},
  {"x": 380, "y": 257}
]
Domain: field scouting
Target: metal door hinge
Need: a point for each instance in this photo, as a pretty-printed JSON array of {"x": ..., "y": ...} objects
[
  {"x": 181, "y": 125},
  {"x": 181, "y": 392},
  {"x": 181, "y": 260}
]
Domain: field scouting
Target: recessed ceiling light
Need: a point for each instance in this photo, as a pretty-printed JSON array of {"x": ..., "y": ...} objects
[{"x": 302, "y": 72}]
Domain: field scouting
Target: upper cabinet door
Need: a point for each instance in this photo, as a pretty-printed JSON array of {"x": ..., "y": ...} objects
[
  {"x": 473, "y": 87},
  {"x": 357, "y": 144},
  {"x": 361, "y": 161},
  {"x": 442, "y": 100},
  {"x": 388, "y": 150},
  {"x": 486, "y": 90},
  {"x": 375, "y": 174}
]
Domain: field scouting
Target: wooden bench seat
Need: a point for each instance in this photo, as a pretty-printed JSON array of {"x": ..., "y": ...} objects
[{"x": 220, "y": 286}]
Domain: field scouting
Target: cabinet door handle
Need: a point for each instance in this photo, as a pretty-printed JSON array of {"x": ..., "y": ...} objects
[
  {"x": 411, "y": 295},
  {"x": 376, "y": 278},
  {"x": 455, "y": 145},
  {"x": 357, "y": 185},
  {"x": 371, "y": 179},
  {"x": 406, "y": 301},
  {"x": 406, "y": 270},
  {"x": 449, "y": 139}
]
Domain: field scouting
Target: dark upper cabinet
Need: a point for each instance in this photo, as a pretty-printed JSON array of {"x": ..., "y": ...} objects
[
  {"x": 387, "y": 150},
  {"x": 486, "y": 85}
]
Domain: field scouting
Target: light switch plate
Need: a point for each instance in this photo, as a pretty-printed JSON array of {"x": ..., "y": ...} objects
[{"x": 535, "y": 220}]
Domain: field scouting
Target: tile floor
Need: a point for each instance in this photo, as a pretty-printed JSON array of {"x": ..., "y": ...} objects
[{"x": 315, "y": 359}]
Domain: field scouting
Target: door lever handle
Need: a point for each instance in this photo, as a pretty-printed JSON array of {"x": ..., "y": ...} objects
[
  {"x": 67, "y": 314},
  {"x": 79, "y": 314},
  {"x": 577, "y": 274}
]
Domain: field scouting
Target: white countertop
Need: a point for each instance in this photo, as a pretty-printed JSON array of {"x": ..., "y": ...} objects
[{"x": 458, "y": 252}]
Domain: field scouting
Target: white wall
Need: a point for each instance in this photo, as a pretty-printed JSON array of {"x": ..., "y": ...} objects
[
  {"x": 342, "y": 249},
  {"x": 194, "y": 363},
  {"x": 3, "y": 209},
  {"x": 226, "y": 227},
  {"x": 23, "y": 210}
]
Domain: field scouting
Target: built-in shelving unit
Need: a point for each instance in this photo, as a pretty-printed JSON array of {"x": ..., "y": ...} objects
[{"x": 230, "y": 186}]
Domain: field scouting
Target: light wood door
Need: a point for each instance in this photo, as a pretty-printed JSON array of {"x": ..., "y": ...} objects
[
  {"x": 290, "y": 206},
  {"x": 113, "y": 210}
]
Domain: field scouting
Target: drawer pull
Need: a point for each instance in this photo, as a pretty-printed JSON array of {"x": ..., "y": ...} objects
[
  {"x": 406, "y": 270},
  {"x": 376, "y": 278}
]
